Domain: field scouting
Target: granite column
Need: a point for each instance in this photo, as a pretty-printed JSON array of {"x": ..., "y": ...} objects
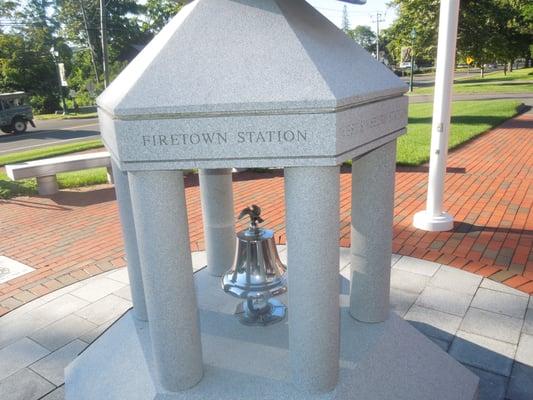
[
  {"x": 122, "y": 190},
  {"x": 219, "y": 222},
  {"x": 312, "y": 218},
  {"x": 160, "y": 213},
  {"x": 371, "y": 233}
]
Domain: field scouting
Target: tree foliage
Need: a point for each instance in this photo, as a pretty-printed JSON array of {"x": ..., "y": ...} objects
[
  {"x": 488, "y": 31},
  {"x": 364, "y": 36},
  {"x": 30, "y": 29},
  {"x": 158, "y": 13}
]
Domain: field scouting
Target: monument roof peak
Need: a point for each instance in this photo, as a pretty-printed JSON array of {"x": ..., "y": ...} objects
[{"x": 247, "y": 56}]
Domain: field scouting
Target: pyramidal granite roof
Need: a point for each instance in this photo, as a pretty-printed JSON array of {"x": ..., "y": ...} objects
[{"x": 248, "y": 56}]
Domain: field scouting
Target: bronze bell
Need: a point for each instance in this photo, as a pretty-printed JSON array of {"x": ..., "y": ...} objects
[{"x": 257, "y": 274}]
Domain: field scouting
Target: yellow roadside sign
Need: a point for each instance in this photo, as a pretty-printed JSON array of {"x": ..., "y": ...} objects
[{"x": 469, "y": 60}]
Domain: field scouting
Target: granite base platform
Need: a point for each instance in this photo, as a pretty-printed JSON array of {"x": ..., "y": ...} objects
[{"x": 389, "y": 360}]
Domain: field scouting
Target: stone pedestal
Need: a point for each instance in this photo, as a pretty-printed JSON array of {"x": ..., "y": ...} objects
[
  {"x": 383, "y": 361},
  {"x": 47, "y": 185}
]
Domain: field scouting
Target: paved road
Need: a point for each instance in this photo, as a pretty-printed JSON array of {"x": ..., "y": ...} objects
[{"x": 50, "y": 132}]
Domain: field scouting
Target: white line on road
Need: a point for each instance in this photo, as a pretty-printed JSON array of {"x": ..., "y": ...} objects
[
  {"x": 70, "y": 128},
  {"x": 44, "y": 144}
]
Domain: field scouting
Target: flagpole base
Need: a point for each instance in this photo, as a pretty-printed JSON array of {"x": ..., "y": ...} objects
[{"x": 433, "y": 223}]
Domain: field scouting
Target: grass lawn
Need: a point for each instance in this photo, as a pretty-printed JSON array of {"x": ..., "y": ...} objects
[
  {"x": 518, "y": 81},
  {"x": 469, "y": 119},
  {"x": 68, "y": 116},
  {"x": 51, "y": 151}
]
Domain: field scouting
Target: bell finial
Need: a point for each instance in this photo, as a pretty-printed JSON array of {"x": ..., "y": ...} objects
[{"x": 254, "y": 212}]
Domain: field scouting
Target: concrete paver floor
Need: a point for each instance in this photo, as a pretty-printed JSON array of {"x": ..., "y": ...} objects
[{"x": 483, "y": 324}]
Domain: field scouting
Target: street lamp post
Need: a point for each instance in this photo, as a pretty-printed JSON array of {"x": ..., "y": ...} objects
[
  {"x": 413, "y": 36},
  {"x": 55, "y": 55},
  {"x": 434, "y": 218}
]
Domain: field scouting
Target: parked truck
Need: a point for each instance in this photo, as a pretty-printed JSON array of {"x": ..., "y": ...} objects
[{"x": 15, "y": 114}]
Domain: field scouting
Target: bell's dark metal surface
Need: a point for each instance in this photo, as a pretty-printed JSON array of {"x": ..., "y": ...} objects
[{"x": 257, "y": 273}]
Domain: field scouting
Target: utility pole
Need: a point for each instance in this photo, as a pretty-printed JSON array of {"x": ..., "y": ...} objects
[
  {"x": 89, "y": 43},
  {"x": 378, "y": 20},
  {"x": 413, "y": 37},
  {"x": 434, "y": 218},
  {"x": 103, "y": 34}
]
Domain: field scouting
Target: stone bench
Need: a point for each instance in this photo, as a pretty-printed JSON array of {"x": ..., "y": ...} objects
[{"x": 45, "y": 170}]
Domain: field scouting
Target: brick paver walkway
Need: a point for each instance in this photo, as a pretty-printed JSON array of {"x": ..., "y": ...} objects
[{"x": 489, "y": 190}]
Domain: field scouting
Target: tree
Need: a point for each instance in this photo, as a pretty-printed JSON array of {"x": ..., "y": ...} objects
[
  {"x": 158, "y": 13},
  {"x": 345, "y": 19},
  {"x": 364, "y": 36},
  {"x": 422, "y": 16},
  {"x": 25, "y": 59},
  {"x": 24, "y": 68},
  {"x": 489, "y": 30}
]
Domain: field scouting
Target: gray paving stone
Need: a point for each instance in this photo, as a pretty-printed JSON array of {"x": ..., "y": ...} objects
[
  {"x": 38, "y": 317},
  {"x": 456, "y": 280},
  {"x": 19, "y": 355},
  {"x": 492, "y": 325},
  {"x": 482, "y": 352},
  {"x": 19, "y": 328},
  {"x": 500, "y": 287},
  {"x": 125, "y": 293},
  {"x": 105, "y": 309},
  {"x": 52, "y": 366},
  {"x": 521, "y": 383},
  {"x": 90, "y": 336},
  {"x": 500, "y": 302},
  {"x": 97, "y": 289},
  {"x": 444, "y": 300},
  {"x": 120, "y": 275},
  {"x": 524, "y": 353},
  {"x": 24, "y": 385},
  {"x": 491, "y": 386},
  {"x": 408, "y": 281},
  {"x": 22, "y": 310},
  {"x": 433, "y": 323},
  {"x": 401, "y": 301},
  {"x": 58, "y": 394},
  {"x": 417, "y": 266},
  {"x": 528, "y": 322},
  {"x": 61, "y": 332},
  {"x": 58, "y": 308}
]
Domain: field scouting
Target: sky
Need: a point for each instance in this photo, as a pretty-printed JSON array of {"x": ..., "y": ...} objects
[{"x": 357, "y": 14}]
